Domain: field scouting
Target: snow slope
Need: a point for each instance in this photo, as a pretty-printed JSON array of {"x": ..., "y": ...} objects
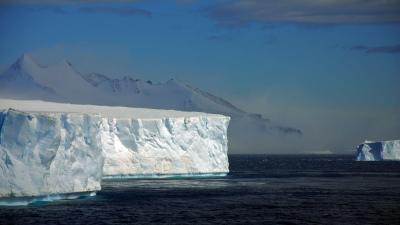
[
  {"x": 376, "y": 151},
  {"x": 49, "y": 153},
  {"x": 172, "y": 94},
  {"x": 26, "y": 79},
  {"x": 148, "y": 142}
]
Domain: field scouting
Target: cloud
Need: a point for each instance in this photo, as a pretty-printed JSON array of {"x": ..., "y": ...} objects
[
  {"x": 390, "y": 49},
  {"x": 120, "y": 11},
  {"x": 116, "y": 11},
  {"x": 312, "y": 12},
  {"x": 58, "y": 2},
  {"x": 81, "y": 6}
]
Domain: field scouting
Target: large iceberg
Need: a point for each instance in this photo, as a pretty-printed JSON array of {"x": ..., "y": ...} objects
[
  {"x": 148, "y": 142},
  {"x": 47, "y": 153},
  {"x": 380, "y": 150}
]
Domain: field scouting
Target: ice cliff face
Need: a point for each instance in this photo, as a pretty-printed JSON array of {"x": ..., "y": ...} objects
[
  {"x": 191, "y": 145},
  {"x": 46, "y": 151},
  {"x": 49, "y": 153},
  {"x": 375, "y": 151}
]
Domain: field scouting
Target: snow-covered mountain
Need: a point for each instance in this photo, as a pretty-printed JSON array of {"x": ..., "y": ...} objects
[
  {"x": 26, "y": 79},
  {"x": 172, "y": 94}
]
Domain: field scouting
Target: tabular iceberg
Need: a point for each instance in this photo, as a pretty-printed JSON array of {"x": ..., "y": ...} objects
[
  {"x": 148, "y": 142},
  {"x": 381, "y": 150},
  {"x": 47, "y": 153}
]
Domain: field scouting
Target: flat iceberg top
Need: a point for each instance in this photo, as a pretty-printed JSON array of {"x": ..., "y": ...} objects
[
  {"x": 377, "y": 142},
  {"x": 105, "y": 111}
]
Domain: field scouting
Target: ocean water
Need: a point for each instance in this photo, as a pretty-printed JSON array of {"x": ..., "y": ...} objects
[{"x": 260, "y": 189}]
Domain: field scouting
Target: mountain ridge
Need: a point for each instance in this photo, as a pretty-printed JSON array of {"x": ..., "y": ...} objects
[{"x": 26, "y": 79}]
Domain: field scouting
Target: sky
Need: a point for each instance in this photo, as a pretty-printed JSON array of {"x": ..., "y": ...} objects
[{"x": 328, "y": 67}]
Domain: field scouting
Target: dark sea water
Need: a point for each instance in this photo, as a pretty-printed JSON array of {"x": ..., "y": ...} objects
[{"x": 260, "y": 189}]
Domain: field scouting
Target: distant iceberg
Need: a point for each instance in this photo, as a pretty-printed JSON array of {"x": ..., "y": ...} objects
[{"x": 380, "y": 150}]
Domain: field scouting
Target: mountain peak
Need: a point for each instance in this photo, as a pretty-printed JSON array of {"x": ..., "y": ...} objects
[{"x": 25, "y": 60}]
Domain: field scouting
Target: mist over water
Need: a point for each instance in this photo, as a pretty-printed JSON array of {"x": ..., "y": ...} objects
[{"x": 275, "y": 189}]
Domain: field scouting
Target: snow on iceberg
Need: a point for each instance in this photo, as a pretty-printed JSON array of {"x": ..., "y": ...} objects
[
  {"x": 380, "y": 150},
  {"x": 47, "y": 153}
]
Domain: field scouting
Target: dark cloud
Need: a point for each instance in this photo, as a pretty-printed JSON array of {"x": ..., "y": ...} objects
[
  {"x": 319, "y": 12},
  {"x": 116, "y": 11},
  {"x": 391, "y": 49}
]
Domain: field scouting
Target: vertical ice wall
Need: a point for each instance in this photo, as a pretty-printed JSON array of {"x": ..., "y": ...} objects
[
  {"x": 58, "y": 148},
  {"x": 142, "y": 147},
  {"x": 375, "y": 151},
  {"x": 49, "y": 153}
]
